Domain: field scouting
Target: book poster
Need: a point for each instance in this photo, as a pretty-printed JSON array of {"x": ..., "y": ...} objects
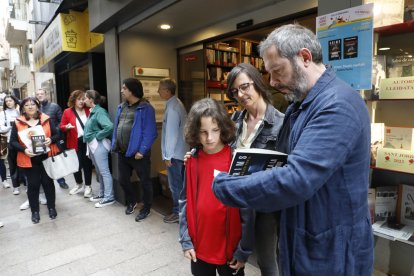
[{"x": 346, "y": 37}]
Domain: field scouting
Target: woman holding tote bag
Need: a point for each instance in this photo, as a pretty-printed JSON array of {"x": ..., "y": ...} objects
[
  {"x": 32, "y": 121},
  {"x": 73, "y": 123}
]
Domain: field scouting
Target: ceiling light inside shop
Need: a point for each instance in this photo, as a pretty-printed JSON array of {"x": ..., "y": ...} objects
[
  {"x": 384, "y": 48},
  {"x": 165, "y": 27}
]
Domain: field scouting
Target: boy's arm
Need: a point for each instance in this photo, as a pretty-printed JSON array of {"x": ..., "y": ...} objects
[{"x": 184, "y": 237}]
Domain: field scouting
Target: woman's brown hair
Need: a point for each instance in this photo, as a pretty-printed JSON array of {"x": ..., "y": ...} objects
[{"x": 74, "y": 96}]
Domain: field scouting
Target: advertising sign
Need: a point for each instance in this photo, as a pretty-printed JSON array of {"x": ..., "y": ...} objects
[{"x": 346, "y": 37}]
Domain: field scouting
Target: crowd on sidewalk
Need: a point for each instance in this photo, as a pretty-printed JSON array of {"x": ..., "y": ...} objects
[{"x": 287, "y": 214}]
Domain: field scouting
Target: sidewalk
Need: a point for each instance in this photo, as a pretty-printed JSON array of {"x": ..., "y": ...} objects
[{"x": 85, "y": 240}]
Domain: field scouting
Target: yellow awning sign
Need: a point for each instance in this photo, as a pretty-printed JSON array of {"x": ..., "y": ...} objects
[{"x": 67, "y": 32}]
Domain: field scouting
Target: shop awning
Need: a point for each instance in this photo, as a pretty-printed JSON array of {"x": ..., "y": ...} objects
[{"x": 67, "y": 32}]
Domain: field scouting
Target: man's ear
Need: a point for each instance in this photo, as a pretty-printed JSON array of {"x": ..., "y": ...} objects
[{"x": 306, "y": 56}]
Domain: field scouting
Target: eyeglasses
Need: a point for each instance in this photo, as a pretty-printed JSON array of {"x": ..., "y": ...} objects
[{"x": 243, "y": 88}]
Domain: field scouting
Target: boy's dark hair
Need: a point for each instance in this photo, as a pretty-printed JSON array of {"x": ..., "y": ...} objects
[
  {"x": 95, "y": 96},
  {"x": 261, "y": 87},
  {"x": 15, "y": 99},
  {"x": 135, "y": 86},
  {"x": 208, "y": 108}
]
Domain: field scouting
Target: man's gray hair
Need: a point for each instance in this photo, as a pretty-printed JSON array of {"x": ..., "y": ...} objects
[{"x": 289, "y": 39}]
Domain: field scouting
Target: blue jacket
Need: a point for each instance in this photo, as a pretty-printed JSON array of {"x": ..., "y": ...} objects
[
  {"x": 322, "y": 191},
  {"x": 144, "y": 129}
]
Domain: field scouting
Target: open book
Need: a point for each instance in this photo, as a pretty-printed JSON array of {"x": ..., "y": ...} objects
[
  {"x": 26, "y": 137},
  {"x": 248, "y": 161}
]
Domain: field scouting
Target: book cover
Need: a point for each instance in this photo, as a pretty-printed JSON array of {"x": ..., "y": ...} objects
[
  {"x": 26, "y": 134},
  {"x": 248, "y": 161},
  {"x": 395, "y": 159},
  {"x": 399, "y": 138},
  {"x": 400, "y": 66},
  {"x": 38, "y": 144},
  {"x": 377, "y": 140},
  {"x": 406, "y": 206},
  {"x": 386, "y": 203}
]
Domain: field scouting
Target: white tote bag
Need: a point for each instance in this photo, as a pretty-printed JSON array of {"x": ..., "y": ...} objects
[{"x": 61, "y": 165}]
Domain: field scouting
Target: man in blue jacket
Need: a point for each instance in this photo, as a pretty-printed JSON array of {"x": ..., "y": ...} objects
[
  {"x": 135, "y": 131},
  {"x": 322, "y": 192}
]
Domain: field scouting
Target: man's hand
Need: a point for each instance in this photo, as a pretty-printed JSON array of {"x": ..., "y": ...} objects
[
  {"x": 138, "y": 156},
  {"x": 190, "y": 254},
  {"x": 167, "y": 163}
]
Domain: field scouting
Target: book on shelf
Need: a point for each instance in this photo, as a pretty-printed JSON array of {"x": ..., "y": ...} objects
[
  {"x": 405, "y": 214},
  {"x": 399, "y": 138},
  {"x": 386, "y": 203},
  {"x": 395, "y": 159},
  {"x": 394, "y": 231},
  {"x": 38, "y": 144},
  {"x": 371, "y": 204},
  {"x": 400, "y": 66},
  {"x": 248, "y": 161},
  {"x": 377, "y": 140}
]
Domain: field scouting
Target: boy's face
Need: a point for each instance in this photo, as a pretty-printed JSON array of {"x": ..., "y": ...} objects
[{"x": 210, "y": 135}]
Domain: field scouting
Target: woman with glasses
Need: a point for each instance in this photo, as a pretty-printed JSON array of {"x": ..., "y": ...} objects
[
  {"x": 32, "y": 122},
  {"x": 258, "y": 126}
]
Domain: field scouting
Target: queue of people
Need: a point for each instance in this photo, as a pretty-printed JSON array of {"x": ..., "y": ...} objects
[{"x": 288, "y": 215}]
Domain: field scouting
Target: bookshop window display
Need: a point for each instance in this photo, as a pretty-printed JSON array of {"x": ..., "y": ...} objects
[{"x": 391, "y": 102}]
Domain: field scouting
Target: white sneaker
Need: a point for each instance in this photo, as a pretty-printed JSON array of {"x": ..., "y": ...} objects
[
  {"x": 16, "y": 191},
  {"x": 1, "y": 224},
  {"x": 25, "y": 205},
  {"x": 42, "y": 199},
  {"x": 76, "y": 189},
  {"x": 88, "y": 192},
  {"x": 6, "y": 184},
  {"x": 96, "y": 198},
  {"x": 104, "y": 202}
]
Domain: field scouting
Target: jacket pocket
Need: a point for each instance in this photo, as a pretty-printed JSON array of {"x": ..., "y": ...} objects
[{"x": 320, "y": 254}]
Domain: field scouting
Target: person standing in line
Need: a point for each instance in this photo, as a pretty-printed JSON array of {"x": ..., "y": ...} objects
[
  {"x": 134, "y": 133},
  {"x": 257, "y": 126},
  {"x": 55, "y": 113},
  {"x": 173, "y": 146},
  {"x": 30, "y": 162},
  {"x": 215, "y": 237},
  {"x": 96, "y": 133},
  {"x": 73, "y": 124},
  {"x": 322, "y": 192},
  {"x": 7, "y": 117}
]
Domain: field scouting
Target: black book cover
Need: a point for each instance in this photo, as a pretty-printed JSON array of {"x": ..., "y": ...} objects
[
  {"x": 38, "y": 144},
  {"x": 248, "y": 161}
]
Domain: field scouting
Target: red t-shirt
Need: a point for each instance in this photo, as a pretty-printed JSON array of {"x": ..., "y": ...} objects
[{"x": 215, "y": 229}]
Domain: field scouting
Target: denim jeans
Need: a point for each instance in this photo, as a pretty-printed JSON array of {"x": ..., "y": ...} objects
[
  {"x": 175, "y": 181},
  {"x": 101, "y": 161},
  {"x": 266, "y": 226}
]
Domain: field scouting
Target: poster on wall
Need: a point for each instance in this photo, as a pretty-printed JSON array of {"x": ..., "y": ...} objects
[
  {"x": 151, "y": 94},
  {"x": 346, "y": 37}
]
